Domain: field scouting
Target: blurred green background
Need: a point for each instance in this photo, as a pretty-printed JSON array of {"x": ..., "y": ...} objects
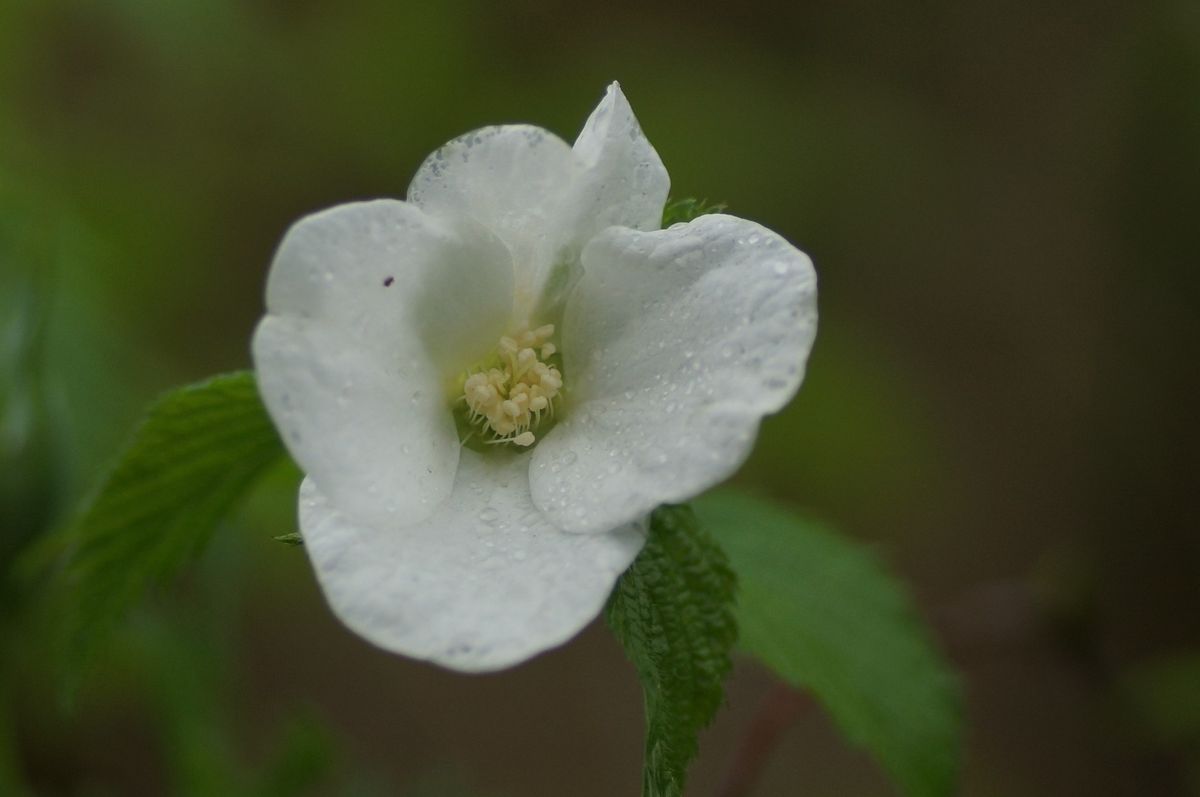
[{"x": 1001, "y": 198}]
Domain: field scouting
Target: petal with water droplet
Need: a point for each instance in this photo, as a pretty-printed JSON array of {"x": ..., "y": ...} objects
[
  {"x": 693, "y": 419},
  {"x": 512, "y": 179},
  {"x": 446, "y": 590},
  {"x": 351, "y": 369},
  {"x": 622, "y": 179}
]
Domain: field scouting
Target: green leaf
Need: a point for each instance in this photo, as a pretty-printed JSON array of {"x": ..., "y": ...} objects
[
  {"x": 681, "y": 210},
  {"x": 198, "y": 450},
  {"x": 822, "y": 613},
  {"x": 291, "y": 538},
  {"x": 673, "y": 612}
]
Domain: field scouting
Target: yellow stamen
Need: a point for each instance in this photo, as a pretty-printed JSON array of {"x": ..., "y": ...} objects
[{"x": 508, "y": 402}]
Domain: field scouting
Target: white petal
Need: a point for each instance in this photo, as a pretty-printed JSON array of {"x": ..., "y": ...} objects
[
  {"x": 623, "y": 181},
  {"x": 370, "y": 307},
  {"x": 676, "y": 343},
  {"x": 546, "y": 200},
  {"x": 619, "y": 181},
  {"x": 512, "y": 179},
  {"x": 483, "y": 584},
  {"x": 389, "y": 276}
]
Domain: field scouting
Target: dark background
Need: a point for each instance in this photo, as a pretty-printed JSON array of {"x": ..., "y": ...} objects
[{"x": 1002, "y": 200}]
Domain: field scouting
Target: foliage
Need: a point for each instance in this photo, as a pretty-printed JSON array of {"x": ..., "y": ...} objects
[
  {"x": 825, "y": 616},
  {"x": 673, "y": 613},
  {"x": 198, "y": 451}
]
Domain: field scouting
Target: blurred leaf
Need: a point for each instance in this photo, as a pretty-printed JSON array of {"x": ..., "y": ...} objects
[
  {"x": 304, "y": 762},
  {"x": 1166, "y": 694},
  {"x": 27, "y": 473},
  {"x": 672, "y": 611},
  {"x": 825, "y": 616},
  {"x": 186, "y": 672},
  {"x": 198, "y": 450},
  {"x": 182, "y": 662},
  {"x": 681, "y": 210},
  {"x": 291, "y": 538}
]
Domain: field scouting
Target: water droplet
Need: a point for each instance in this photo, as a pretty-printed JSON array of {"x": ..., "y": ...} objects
[
  {"x": 781, "y": 268},
  {"x": 569, "y": 458},
  {"x": 489, "y": 515},
  {"x": 652, "y": 460}
]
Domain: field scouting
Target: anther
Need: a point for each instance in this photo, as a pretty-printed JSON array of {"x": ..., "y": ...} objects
[{"x": 508, "y": 401}]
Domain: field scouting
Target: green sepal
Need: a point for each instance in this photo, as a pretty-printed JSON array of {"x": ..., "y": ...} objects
[{"x": 686, "y": 209}]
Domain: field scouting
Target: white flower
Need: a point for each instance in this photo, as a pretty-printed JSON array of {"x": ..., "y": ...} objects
[{"x": 491, "y": 384}]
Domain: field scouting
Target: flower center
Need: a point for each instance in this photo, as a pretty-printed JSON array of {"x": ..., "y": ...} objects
[{"x": 507, "y": 401}]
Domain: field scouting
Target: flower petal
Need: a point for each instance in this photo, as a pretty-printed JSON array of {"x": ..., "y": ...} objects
[
  {"x": 546, "y": 200},
  {"x": 623, "y": 181},
  {"x": 676, "y": 343},
  {"x": 370, "y": 307},
  {"x": 483, "y": 584},
  {"x": 388, "y": 275},
  {"x": 512, "y": 179},
  {"x": 619, "y": 181}
]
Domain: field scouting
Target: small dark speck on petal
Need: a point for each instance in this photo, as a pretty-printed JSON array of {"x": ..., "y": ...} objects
[{"x": 387, "y": 281}]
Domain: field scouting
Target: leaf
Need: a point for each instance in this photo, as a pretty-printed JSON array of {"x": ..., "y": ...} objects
[
  {"x": 681, "y": 210},
  {"x": 673, "y": 613},
  {"x": 292, "y": 538},
  {"x": 198, "y": 450},
  {"x": 822, "y": 613}
]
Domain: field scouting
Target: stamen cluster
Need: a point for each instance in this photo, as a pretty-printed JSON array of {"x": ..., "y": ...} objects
[{"x": 508, "y": 401}]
